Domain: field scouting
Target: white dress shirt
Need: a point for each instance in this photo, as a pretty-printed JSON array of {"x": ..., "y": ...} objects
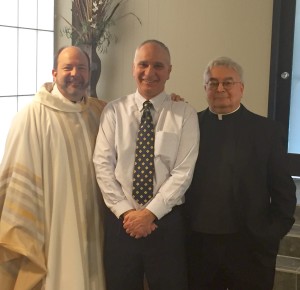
[{"x": 176, "y": 150}]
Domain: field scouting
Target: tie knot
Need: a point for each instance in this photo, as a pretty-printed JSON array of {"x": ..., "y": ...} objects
[{"x": 147, "y": 105}]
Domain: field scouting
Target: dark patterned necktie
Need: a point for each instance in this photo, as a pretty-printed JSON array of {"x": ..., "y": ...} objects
[{"x": 144, "y": 158}]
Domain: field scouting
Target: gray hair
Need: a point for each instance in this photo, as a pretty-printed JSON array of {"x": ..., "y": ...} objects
[
  {"x": 223, "y": 61},
  {"x": 153, "y": 41}
]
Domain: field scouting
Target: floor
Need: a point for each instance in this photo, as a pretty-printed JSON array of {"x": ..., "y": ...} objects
[{"x": 288, "y": 261}]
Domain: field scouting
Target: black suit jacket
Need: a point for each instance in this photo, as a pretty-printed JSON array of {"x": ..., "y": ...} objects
[{"x": 262, "y": 185}]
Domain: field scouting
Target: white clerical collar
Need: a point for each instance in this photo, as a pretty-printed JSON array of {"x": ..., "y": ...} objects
[{"x": 220, "y": 116}]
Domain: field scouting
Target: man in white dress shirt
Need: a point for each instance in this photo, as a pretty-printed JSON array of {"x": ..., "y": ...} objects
[{"x": 146, "y": 239}]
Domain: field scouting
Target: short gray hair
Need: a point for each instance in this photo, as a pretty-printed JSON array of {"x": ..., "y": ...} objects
[
  {"x": 153, "y": 41},
  {"x": 223, "y": 61}
]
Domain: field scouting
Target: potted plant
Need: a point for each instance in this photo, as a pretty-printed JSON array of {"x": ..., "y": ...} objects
[{"x": 90, "y": 29}]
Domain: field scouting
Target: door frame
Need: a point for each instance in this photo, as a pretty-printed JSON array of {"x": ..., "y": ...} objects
[{"x": 281, "y": 62}]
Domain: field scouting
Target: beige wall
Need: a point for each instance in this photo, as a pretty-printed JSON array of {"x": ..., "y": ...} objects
[
  {"x": 62, "y": 8},
  {"x": 195, "y": 31}
]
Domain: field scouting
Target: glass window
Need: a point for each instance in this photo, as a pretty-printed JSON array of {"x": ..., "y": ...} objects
[
  {"x": 294, "y": 122},
  {"x": 9, "y": 13},
  {"x": 27, "y": 61},
  {"x": 28, "y": 30},
  {"x": 8, "y": 107},
  {"x": 9, "y": 61},
  {"x": 45, "y": 14},
  {"x": 28, "y": 16},
  {"x": 44, "y": 57}
]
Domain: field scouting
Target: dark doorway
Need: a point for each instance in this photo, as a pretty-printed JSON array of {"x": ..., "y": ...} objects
[{"x": 281, "y": 70}]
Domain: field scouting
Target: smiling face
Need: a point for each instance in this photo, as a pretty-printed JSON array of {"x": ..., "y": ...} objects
[
  {"x": 72, "y": 73},
  {"x": 151, "y": 69},
  {"x": 221, "y": 100}
]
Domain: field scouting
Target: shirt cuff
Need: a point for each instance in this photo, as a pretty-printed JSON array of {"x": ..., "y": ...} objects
[
  {"x": 158, "y": 207},
  {"x": 121, "y": 207}
]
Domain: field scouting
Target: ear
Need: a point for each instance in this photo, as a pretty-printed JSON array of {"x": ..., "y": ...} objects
[
  {"x": 169, "y": 70},
  {"x": 242, "y": 88},
  {"x": 54, "y": 74}
]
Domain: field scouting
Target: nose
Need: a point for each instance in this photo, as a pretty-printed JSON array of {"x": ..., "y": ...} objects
[
  {"x": 220, "y": 87},
  {"x": 149, "y": 70},
  {"x": 74, "y": 71}
]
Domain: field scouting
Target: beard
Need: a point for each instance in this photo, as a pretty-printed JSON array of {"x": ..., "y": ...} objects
[{"x": 73, "y": 89}]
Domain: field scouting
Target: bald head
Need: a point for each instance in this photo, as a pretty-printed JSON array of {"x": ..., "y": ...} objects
[
  {"x": 69, "y": 48},
  {"x": 154, "y": 42},
  {"x": 151, "y": 68},
  {"x": 71, "y": 73}
]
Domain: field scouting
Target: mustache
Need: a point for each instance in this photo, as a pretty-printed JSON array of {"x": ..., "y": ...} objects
[{"x": 77, "y": 80}]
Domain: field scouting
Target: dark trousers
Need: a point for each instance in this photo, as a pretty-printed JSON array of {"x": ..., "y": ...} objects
[
  {"x": 161, "y": 256},
  {"x": 220, "y": 262}
]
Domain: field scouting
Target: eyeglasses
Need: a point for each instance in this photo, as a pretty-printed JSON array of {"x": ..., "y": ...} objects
[{"x": 227, "y": 85}]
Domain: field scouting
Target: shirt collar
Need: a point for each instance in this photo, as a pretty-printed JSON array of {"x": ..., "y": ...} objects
[
  {"x": 220, "y": 116},
  {"x": 156, "y": 101}
]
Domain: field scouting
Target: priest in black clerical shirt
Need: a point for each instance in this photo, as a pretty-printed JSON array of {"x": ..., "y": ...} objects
[{"x": 242, "y": 198}]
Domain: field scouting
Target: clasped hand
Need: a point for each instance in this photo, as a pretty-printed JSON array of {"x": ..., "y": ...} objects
[{"x": 139, "y": 223}]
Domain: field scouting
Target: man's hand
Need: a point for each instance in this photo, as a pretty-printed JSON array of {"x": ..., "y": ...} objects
[
  {"x": 176, "y": 98},
  {"x": 139, "y": 223}
]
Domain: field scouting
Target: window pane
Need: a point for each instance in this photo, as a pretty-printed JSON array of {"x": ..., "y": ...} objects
[
  {"x": 23, "y": 101},
  {"x": 28, "y": 13},
  {"x": 46, "y": 14},
  {"x": 294, "y": 122},
  {"x": 7, "y": 112},
  {"x": 9, "y": 12},
  {"x": 44, "y": 57},
  {"x": 8, "y": 60},
  {"x": 26, "y": 56},
  {"x": 27, "y": 62}
]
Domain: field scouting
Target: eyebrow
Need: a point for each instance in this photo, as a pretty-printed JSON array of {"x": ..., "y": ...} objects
[
  {"x": 150, "y": 62},
  {"x": 77, "y": 65},
  {"x": 225, "y": 79}
]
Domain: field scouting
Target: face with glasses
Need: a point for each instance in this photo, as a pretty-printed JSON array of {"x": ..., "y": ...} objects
[{"x": 224, "y": 90}]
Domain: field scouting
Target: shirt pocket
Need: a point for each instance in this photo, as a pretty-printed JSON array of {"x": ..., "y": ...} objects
[{"x": 166, "y": 146}]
